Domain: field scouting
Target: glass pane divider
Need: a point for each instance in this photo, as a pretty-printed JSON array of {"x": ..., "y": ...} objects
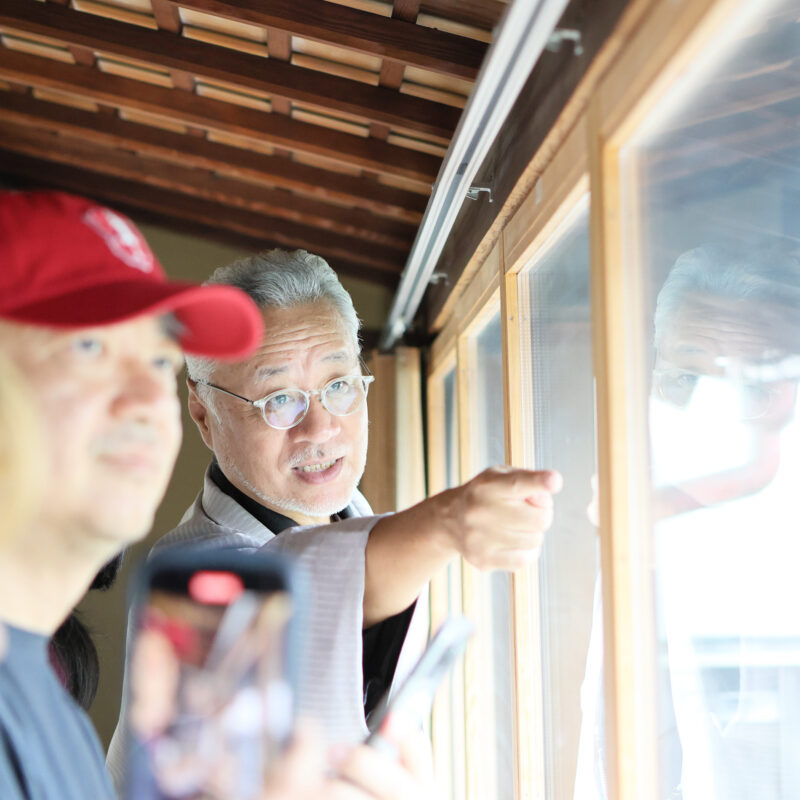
[
  {"x": 512, "y": 374},
  {"x": 479, "y": 727},
  {"x": 447, "y": 715},
  {"x": 527, "y": 656},
  {"x": 472, "y": 685},
  {"x": 491, "y": 774}
]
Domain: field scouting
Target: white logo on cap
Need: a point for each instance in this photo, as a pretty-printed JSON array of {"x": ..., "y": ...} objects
[{"x": 122, "y": 239}]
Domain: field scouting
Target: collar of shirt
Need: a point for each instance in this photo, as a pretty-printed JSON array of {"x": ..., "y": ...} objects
[{"x": 272, "y": 520}]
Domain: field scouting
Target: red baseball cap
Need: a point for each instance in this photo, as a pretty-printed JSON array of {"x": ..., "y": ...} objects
[{"x": 70, "y": 263}]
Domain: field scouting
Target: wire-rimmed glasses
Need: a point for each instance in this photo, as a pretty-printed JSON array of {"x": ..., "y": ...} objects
[{"x": 286, "y": 408}]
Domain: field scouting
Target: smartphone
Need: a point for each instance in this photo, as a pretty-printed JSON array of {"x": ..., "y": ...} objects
[
  {"x": 211, "y": 675},
  {"x": 414, "y": 698}
]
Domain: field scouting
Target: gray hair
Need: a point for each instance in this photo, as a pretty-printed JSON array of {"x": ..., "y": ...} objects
[
  {"x": 739, "y": 272},
  {"x": 281, "y": 279}
]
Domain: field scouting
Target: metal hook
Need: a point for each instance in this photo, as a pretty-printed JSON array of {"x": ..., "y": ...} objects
[
  {"x": 561, "y": 35},
  {"x": 474, "y": 192}
]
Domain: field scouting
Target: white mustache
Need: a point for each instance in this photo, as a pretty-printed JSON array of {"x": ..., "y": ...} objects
[{"x": 311, "y": 454}]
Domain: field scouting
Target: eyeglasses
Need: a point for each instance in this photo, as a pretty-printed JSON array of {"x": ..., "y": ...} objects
[
  {"x": 749, "y": 400},
  {"x": 288, "y": 407}
]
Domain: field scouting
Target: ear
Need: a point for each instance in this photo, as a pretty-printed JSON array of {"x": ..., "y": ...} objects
[{"x": 200, "y": 413}]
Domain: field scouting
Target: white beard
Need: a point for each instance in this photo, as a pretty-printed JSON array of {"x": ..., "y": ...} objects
[{"x": 309, "y": 507}]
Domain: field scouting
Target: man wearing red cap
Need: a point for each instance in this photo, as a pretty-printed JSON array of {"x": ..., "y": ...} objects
[{"x": 90, "y": 321}]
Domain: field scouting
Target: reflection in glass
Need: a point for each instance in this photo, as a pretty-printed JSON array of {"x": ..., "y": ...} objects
[
  {"x": 487, "y": 438},
  {"x": 559, "y": 432},
  {"x": 719, "y": 181}
]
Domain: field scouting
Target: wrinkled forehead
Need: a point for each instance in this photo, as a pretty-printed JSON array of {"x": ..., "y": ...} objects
[
  {"x": 301, "y": 338},
  {"x": 708, "y": 331}
]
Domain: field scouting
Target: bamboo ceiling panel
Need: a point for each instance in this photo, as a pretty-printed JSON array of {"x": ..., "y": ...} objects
[{"x": 293, "y": 123}]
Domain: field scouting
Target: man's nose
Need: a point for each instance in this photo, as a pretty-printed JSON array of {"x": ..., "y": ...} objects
[{"x": 318, "y": 425}]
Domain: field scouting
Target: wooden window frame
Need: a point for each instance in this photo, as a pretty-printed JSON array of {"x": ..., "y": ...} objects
[
  {"x": 448, "y": 745},
  {"x": 670, "y": 39},
  {"x": 484, "y": 296},
  {"x": 646, "y": 57},
  {"x": 561, "y": 186}
]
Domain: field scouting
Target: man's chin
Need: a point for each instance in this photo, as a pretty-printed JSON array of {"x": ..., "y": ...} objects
[
  {"x": 318, "y": 509},
  {"x": 124, "y": 528},
  {"x": 318, "y": 503}
]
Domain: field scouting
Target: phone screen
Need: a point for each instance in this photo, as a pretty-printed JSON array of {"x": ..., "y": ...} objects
[{"x": 210, "y": 700}]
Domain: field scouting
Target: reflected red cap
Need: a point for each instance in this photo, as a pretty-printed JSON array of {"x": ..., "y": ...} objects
[{"x": 70, "y": 263}]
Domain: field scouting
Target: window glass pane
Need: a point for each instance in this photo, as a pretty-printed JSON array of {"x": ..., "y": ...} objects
[
  {"x": 452, "y": 693},
  {"x": 451, "y": 429},
  {"x": 494, "y": 623},
  {"x": 713, "y": 223},
  {"x": 486, "y": 414},
  {"x": 558, "y": 410}
]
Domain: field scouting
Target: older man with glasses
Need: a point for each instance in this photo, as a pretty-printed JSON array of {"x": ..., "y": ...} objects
[{"x": 288, "y": 429}]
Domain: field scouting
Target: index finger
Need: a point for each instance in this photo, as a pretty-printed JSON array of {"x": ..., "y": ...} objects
[{"x": 525, "y": 483}]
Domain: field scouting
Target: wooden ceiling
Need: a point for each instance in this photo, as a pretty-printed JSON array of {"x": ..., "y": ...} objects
[{"x": 292, "y": 123}]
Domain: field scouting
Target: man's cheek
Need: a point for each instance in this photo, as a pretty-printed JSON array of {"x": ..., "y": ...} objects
[{"x": 175, "y": 436}]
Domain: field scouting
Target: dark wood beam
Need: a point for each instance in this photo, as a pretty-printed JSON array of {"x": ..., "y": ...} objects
[
  {"x": 391, "y": 72},
  {"x": 169, "y": 19},
  {"x": 207, "y": 113},
  {"x": 279, "y": 46},
  {"x": 407, "y": 10},
  {"x": 255, "y": 244},
  {"x": 86, "y": 57},
  {"x": 206, "y": 184},
  {"x": 279, "y": 233},
  {"x": 165, "y": 49},
  {"x": 206, "y": 232},
  {"x": 389, "y": 38},
  {"x": 312, "y": 181}
]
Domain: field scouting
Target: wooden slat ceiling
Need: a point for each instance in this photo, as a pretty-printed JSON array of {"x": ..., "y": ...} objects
[{"x": 294, "y": 123}]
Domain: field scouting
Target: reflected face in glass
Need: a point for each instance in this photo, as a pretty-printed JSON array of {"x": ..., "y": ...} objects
[
  {"x": 738, "y": 344},
  {"x": 310, "y": 471},
  {"x": 111, "y": 421}
]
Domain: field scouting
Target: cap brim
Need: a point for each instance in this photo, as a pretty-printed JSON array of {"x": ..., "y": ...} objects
[{"x": 217, "y": 321}]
